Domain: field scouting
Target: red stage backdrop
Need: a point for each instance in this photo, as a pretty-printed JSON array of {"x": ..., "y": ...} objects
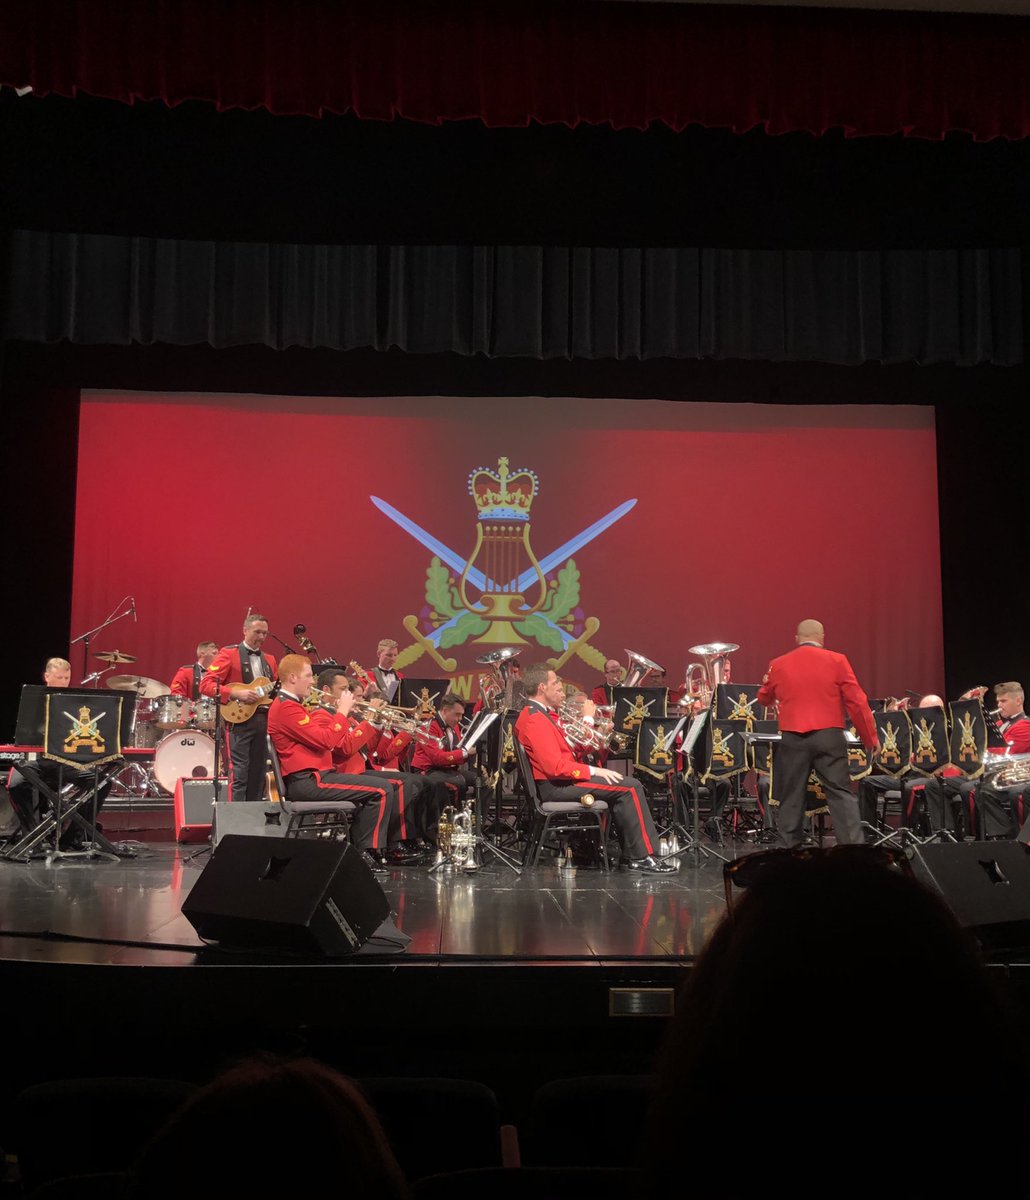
[{"x": 456, "y": 525}]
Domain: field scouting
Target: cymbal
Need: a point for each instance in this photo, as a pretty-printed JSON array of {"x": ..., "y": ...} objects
[
  {"x": 115, "y": 656},
  {"x": 146, "y": 689}
]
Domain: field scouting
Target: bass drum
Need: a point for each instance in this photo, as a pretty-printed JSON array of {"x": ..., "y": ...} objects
[{"x": 188, "y": 754}]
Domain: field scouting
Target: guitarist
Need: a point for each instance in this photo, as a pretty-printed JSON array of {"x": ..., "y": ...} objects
[{"x": 245, "y": 748}]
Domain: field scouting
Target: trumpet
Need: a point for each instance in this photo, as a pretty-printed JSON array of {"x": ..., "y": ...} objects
[{"x": 601, "y": 735}]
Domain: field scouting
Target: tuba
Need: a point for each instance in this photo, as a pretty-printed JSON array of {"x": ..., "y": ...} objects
[
  {"x": 498, "y": 686},
  {"x": 704, "y": 676},
  {"x": 638, "y": 669}
]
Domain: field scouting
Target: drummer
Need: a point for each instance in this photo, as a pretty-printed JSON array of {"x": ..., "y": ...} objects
[{"x": 186, "y": 681}]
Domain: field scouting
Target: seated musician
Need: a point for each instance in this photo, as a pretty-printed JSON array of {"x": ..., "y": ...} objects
[
  {"x": 911, "y": 785},
  {"x": 614, "y": 673},
  {"x": 561, "y": 776},
  {"x": 186, "y": 681},
  {"x": 1000, "y": 810},
  {"x": 446, "y": 763},
  {"x": 57, "y": 674},
  {"x": 410, "y": 790},
  {"x": 305, "y": 740}
]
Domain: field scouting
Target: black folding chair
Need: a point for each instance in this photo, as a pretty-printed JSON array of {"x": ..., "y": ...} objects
[{"x": 558, "y": 816}]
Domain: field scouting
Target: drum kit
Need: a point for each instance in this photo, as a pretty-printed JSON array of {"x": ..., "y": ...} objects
[{"x": 179, "y": 730}]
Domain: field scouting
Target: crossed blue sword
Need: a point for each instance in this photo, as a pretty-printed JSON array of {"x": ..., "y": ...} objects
[{"x": 479, "y": 580}]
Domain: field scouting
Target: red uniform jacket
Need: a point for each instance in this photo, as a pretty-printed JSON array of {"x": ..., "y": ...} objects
[
  {"x": 550, "y": 755},
  {"x": 388, "y": 754},
  {"x": 1017, "y": 733},
  {"x": 225, "y": 669},
  {"x": 182, "y": 682},
  {"x": 813, "y": 685},
  {"x": 353, "y": 762},
  {"x": 600, "y": 695},
  {"x": 305, "y": 739},
  {"x": 431, "y": 758}
]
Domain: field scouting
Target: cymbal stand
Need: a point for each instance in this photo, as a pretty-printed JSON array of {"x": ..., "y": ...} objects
[{"x": 88, "y": 636}]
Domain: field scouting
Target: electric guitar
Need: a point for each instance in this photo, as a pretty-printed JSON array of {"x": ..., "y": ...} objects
[{"x": 235, "y": 711}]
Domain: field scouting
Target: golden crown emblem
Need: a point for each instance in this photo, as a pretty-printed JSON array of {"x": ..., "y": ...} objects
[{"x": 503, "y": 494}]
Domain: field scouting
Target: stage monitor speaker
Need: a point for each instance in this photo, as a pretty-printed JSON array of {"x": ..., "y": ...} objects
[
  {"x": 297, "y": 895},
  {"x": 192, "y": 801},
  {"x": 250, "y": 817},
  {"x": 986, "y": 885}
]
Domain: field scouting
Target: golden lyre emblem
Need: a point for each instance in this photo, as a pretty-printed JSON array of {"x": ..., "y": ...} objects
[
  {"x": 85, "y": 732},
  {"x": 890, "y": 752},
  {"x": 659, "y": 755},
  {"x": 502, "y": 555},
  {"x": 967, "y": 746},
  {"x": 856, "y": 753},
  {"x": 722, "y": 751},
  {"x": 636, "y": 712},
  {"x": 926, "y": 751}
]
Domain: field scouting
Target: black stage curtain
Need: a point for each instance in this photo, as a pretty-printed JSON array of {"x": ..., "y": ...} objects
[
  {"x": 846, "y": 307},
  {"x": 510, "y": 62}
]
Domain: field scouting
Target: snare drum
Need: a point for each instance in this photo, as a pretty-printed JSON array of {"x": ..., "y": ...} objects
[
  {"x": 188, "y": 754},
  {"x": 171, "y": 712},
  {"x": 144, "y": 731},
  {"x": 205, "y": 712}
]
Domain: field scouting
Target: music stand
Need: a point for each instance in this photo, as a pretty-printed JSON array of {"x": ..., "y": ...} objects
[
  {"x": 481, "y": 722},
  {"x": 31, "y": 731},
  {"x": 692, "y": 838}
]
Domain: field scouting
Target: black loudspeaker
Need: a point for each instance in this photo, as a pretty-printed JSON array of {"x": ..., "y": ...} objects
[
  {"x": 986, "y": 885},
  {"x": 257, "y": 819},
  {"x": 296, "y": 895}
]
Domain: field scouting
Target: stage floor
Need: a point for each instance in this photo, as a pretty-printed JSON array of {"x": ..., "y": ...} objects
[{"x": 128, "y": 912}]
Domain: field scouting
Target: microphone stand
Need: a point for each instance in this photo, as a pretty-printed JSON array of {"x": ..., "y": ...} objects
[
  {"x": 87, "y": 637},
  {"x": 285, "y": 645}
]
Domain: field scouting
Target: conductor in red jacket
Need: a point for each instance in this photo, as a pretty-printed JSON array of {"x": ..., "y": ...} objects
[{"x": 812, "y": 687}]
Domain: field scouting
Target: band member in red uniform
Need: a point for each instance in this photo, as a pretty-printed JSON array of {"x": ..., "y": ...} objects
[
  {"x": 245, "y": 743},
  {"x": 305, "y": 741},
  {"x": 1001, "y": 811},
  {"x": 57, "y": 673},
  {"x": 613, "y": 677},
  {"x": 446, "y": 764},
  {"x": 812, "y": 686},
  {"x": 410, "y": 791},
  {"x": 186, "y": 681},
  {"x": 383, "y": 672},
  {"x": 562, "y": 777}
]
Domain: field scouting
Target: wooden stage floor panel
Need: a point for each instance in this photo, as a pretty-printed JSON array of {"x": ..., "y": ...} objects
[{"x": 101, "y": 911}]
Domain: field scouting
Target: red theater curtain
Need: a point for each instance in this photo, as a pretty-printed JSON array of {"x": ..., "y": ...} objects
[{"x": 513, "y": 61}]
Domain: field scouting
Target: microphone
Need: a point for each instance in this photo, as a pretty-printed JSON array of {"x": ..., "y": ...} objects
[{"x": 132, "y": 601}]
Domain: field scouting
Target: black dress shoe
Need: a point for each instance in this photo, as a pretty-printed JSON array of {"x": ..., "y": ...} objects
[
  {"x": 373, "y": 863},
  {"x": 652, "y": 865},
  {"x": 768, "y": 837},
  {"x": 400, "y": 856},
  {"x": 712, "y": 829}
]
